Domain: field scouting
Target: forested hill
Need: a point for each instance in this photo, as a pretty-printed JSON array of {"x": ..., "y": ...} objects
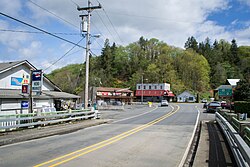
[{"x": 199, "y": 67}]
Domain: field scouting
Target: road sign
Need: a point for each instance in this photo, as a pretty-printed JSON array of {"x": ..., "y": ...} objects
[{"x": 225, "y": 92}]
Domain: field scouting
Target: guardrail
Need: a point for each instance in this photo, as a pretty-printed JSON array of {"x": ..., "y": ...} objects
[
  {"x": 10, "y": 122},
  {"x": 239, "y": 147}
]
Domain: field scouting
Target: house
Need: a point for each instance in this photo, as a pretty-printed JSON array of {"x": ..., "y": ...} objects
[
  {"x": 186, "y": 96},
  {"x": 232, "y": 82},
  {"x": 14, "y": 101}
]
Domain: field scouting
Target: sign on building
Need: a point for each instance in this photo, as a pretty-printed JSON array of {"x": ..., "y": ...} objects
[{"x": 225, "y": 92}]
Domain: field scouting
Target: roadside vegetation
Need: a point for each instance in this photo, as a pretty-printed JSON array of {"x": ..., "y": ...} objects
[{"x": 199, "y": 67}]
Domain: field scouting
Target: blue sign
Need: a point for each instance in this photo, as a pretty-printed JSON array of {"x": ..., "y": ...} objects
[
  {"x": 37, "y": 75},
  {"x": 24, "y": 104},
  {"x": 16, "y": 81}
]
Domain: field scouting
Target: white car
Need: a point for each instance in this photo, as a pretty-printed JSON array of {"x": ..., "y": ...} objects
[{"x": 164, "y": 103}]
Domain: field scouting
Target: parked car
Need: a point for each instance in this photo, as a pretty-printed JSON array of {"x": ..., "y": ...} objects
[
  {"x": 164, "y": 103},
  {"x": 204, "y": 100},
  {"x": 212, "y": 106}
]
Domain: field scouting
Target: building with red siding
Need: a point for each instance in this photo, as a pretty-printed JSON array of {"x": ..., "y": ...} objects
[{"x": 154, "y": 92}]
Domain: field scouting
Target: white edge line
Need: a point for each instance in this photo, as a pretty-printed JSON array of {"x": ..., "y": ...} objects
[{"x": 190, "y": 142}]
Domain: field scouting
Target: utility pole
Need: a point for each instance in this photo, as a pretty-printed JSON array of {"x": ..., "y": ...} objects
[
  {"x": 89, "y": 9},
  {"x": 142, "y": 89}
]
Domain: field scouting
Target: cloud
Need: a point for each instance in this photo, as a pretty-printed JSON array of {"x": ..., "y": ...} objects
[
  {"x": 13, "y": 7},
  {"x": 247, "y": 2},
  {"x": 171, "y": 21},
  {"x": 33, "y": 50}
]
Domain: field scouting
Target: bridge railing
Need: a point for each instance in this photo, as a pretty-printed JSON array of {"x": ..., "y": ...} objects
[
  {"x": 15, "y": 121},
  {"x": 239, "y": 147}
]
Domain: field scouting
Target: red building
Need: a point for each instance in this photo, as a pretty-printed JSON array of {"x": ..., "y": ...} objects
[{"x": 154, "y": 92}]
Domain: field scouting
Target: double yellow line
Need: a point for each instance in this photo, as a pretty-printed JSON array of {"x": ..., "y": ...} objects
[{"x": 68, "y": 157}]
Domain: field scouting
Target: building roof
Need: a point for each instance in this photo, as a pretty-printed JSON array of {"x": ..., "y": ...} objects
[
  {"x": 185, "y": 92},
  {"x": 224, "y": 87},
  {"x": 106, "y": 89},
  {"x": 16, "y": 94},
  {"x": 10, "y": 65},
  {"x": 56, "y": 94},
  {"x": 233, "y": 82}
]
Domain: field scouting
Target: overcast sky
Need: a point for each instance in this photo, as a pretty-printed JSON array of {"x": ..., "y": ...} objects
[{"x": 121, "y": 21}]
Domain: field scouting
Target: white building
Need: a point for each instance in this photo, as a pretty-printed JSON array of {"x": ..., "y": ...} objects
[
  {"x": 186, "y": 97},
  {"x": 11, "y": 97}
]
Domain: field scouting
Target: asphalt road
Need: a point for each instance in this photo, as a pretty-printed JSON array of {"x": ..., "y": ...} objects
[{"x": 137, "y": 138}]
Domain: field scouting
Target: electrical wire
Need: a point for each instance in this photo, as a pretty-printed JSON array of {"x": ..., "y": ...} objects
[
  {"x": 64, "y": 55},
  {"x": 105, "y": 25},
  {"x": 111, "y": 23},
  {"x": 41, "y": 30},
  {"x": 36, "y": 32},
  {"x": 53, "y": 14}
]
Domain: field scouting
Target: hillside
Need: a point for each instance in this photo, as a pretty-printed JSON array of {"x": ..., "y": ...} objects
[{"x": 198, "y": 68}]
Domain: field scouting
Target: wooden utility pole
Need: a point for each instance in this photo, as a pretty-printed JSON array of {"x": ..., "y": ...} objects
[{"x": 89, "y": 9}]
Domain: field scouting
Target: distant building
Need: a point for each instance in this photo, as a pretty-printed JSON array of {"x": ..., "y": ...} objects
[
  {"x": 113, "y": 95},
  {"x": 186, "y": 96},
  {"x": 154, "y": 92},
  {"x": 232, "y": 82},
  {"x": 12, "y": 100}
]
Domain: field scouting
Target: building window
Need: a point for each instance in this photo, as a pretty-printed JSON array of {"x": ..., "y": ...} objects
[
  {"x": 144, "y": 87},
  {"x": 149, "y": 87},
  {"x": 161, "y": 86},
  {"x": 155, "y": 87},
  {"x": 139, "y": 87}
]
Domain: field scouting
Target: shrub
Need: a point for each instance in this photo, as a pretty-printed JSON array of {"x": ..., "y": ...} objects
[{"x": 242, "y": 107}]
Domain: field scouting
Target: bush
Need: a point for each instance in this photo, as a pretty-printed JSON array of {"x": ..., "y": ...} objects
[{"x": 242, "y": 107}]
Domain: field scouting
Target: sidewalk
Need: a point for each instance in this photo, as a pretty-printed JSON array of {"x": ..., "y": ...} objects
[
  {"x": 40, "y": 132},
  {"x": 212, "y": 148}
]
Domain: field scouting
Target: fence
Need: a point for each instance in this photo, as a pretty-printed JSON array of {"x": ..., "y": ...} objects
[
  {"x": 11, "y": 122},
  {"x": 239, "y": 147}
]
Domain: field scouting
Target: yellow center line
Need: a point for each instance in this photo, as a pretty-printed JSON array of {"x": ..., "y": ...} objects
[{"x": 105, "y": 142}]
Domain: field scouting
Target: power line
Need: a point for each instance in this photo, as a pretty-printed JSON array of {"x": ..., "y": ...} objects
[
  {"x": 53, "y": 14},
  {"x": 112, "y": 25},
  {"x": 41, "y": 30},
  {"x": 36, "y": 32},
  {"x": 105, "y": 25},
  {"x": 64, "y": 54}
]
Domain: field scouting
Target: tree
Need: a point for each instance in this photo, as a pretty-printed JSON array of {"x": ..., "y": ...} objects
[
  {"x": 234, "y": 57},
  {"x": 242, "y": 91},
  {"x": 191, "y": 44}
]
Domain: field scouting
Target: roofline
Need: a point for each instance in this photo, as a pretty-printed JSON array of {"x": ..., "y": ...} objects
[{"x": 32, "y": 67}]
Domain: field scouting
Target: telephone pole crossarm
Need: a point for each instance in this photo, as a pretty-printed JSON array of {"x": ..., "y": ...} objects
[{"x": 89, "y": 8}]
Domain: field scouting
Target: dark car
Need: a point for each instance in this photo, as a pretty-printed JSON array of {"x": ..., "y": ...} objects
[{"x": 212, "y": 106}]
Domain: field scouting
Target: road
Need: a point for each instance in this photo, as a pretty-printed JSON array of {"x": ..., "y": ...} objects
[{"x": 158, "y": 137}]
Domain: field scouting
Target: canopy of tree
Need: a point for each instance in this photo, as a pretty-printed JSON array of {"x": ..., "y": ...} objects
[{"x": 198, "y": 68}]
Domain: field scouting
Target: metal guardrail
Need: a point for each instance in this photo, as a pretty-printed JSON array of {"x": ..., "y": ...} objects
[
  {"x": 239, "y": 147},
  {"x": 9, "y": 122}
]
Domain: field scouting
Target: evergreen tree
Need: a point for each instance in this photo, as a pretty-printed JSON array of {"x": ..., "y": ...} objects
[
  {"x": 242, "y": 91},
  {"x": 234, "y": 57},
  {"x": 191, "y": 44}
]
